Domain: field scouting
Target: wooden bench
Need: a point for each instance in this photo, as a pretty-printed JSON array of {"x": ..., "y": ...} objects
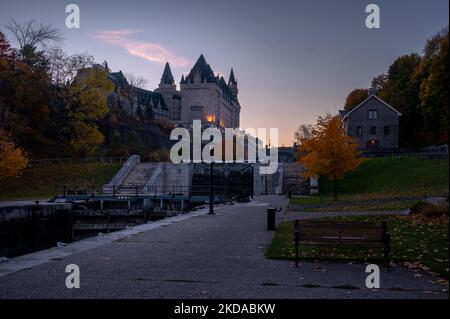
[{"x": 330, "y": 234}]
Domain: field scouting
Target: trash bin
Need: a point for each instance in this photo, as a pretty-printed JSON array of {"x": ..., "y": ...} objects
[{"x": 271, "y": 219}]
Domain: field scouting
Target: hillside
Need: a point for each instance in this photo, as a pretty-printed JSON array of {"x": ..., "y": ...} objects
[
  {"x": 42, "y": 182},
  {"x": 393, "y": 177},
  {"x": 382, "y": 184}
]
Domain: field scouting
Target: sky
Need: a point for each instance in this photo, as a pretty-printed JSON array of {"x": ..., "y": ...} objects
[{"x": 293, "y": 60}]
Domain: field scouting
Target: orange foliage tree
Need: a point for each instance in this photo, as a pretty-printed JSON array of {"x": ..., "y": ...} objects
[
  {"x": 329, "y": 151},
  {"x": 12, "y": 159}
]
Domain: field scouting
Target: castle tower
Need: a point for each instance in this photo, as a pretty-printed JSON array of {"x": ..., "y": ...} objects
[
  {"x": 168, "y": 89},
  {"x": 232, "y": 83},
  {"x": 167, "y": 80},
  {"x": 207, "y": 97}
]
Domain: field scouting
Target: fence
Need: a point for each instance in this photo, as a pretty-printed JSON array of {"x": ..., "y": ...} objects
[
  {"x": 88, "y": 160},
  {"x": 418, "y": 156}
]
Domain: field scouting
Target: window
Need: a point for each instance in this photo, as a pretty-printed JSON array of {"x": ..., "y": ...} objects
[
  {"x": 373, "y": 130},
  {"x": 373, "y": 114},
  {"x": 387, "y": 130},
  {"x": 359, "y": 131}
]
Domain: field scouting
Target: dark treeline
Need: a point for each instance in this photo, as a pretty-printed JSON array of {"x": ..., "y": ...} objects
[
  {"x": 417, "y": 85},
  {"x": 56, "y": 105}
]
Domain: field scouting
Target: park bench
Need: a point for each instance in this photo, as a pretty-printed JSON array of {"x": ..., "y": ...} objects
[{"x": 352, "y": 234}]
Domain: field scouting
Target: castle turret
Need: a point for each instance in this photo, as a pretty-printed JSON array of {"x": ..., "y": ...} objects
[
  {"x": 167, "y": 80},
  {"x": 168, "y": 89},
  {"x": 232, "y": 83}
]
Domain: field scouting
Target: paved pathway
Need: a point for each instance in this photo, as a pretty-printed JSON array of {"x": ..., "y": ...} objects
[
  {"x": 309, "y": 215},
  {"x": 220, "y": 256}
]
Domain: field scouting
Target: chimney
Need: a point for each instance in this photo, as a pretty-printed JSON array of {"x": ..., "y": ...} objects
[{"x": 372, "y": 91}]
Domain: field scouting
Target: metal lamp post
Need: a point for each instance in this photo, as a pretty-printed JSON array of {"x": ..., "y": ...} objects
[{"x": 211, "y": 189}]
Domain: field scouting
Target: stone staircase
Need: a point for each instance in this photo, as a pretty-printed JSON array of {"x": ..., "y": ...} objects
[
  {"x": 171, "y": 178},
  {"x": 137, "y": 179},
  {"x": 294, "y": 181},
  {"x": 274, "y": 181}
]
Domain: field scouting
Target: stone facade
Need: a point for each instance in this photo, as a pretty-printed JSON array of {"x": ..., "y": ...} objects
[
  {"x": 202, "y": 96},
  {"x": 374, "y": 124},
  {"x": 168, "y": 89},
  {"x": 130, "y": 99}
]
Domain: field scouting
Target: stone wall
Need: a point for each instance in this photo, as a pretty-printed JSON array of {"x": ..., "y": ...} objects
[
  {"x": 386, "y": 117},
  {"x": 205, "y": 101}
]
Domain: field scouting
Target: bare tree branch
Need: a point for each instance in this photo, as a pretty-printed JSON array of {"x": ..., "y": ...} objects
[
  {"x": 33, "y": 34},
  {"x": 136, "y": 81}
]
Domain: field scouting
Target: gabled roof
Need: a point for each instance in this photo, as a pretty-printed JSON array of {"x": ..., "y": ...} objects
[
  {"x": 118, "y": 78},
  {"x": 343, "y": 113},
  {"x": 346, "y": 115},
  {"x": 226, "y": 90},
  {"x": 204, "y": 69},
  {"x": 167, "y": 77},
  {"x": 150, "y": 98}
]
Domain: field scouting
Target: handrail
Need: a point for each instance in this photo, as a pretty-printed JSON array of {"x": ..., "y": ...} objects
[
  {"x": 80, "y": 160},
  {"x": 419, "y": 156}
]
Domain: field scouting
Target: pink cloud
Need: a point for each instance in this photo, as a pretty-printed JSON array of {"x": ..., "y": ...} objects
[{"x": 152, "y": 52}]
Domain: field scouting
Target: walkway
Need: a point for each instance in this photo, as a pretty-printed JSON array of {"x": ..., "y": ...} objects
[{"x": 220, "y": 256}]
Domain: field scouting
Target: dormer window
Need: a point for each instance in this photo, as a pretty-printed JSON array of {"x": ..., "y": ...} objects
[{"x": 373, "y": 115}]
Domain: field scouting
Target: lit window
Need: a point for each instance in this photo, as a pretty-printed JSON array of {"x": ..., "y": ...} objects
[{"x": 373, "y": 114}]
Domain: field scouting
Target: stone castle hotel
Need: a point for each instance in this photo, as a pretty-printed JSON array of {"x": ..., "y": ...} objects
[{"x": 202, "y": 96}]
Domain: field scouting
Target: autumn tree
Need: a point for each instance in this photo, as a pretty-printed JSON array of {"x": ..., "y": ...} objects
[
  {"x": 379, "y": 82},
  {"x": 85, "y": 103},
  {"x": 7, "y": 63},
  {"x": 329, "y": 152},
  {"x": 304, "y": 131},
  {"x": 63, "y": 68},
  {"x": 12, "y": 158},
  {"x": 355, "y": 98},
  {"x": 24, "y": 99},
  {"x": 7, "y": 53},
  {"x": 434, "y": 87},
  {"x": 401, "y": 90}
]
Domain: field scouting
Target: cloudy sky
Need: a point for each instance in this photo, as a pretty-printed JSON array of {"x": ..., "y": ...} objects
[{"x": 294, "y": 60}]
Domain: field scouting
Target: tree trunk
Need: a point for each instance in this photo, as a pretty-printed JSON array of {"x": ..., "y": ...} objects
[{"x": 335, "y": 189}]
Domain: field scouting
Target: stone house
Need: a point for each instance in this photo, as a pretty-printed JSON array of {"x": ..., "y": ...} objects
[{"x": 374, "y": 124}]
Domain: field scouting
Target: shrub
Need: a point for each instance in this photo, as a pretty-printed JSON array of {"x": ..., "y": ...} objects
[{"x": 429, "y": 210}]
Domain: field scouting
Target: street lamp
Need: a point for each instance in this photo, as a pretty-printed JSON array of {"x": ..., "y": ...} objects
[
  {"x": 266, "y": 192},
  {"x": 211, "y": 189}
]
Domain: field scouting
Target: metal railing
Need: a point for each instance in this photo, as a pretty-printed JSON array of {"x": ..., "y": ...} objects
[
  {"x": 168, "y": 190},
  {"x": 418, "y": 156},
  {"x": 69, "y": 160}
]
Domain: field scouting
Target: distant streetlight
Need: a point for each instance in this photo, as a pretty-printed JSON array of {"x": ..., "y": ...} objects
[{"x": 211, "y": 189}]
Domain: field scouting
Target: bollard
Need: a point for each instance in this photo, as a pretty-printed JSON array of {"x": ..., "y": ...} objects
[
  {"x": 296, "y": 239},
  {"x": 271, "y": 219}
]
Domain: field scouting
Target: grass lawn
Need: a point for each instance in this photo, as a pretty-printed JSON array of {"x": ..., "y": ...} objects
[
  {"x": 384, "y": 179},
  {"x": 426, "y": 244},
  {"x": 41, "y": 182}
]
